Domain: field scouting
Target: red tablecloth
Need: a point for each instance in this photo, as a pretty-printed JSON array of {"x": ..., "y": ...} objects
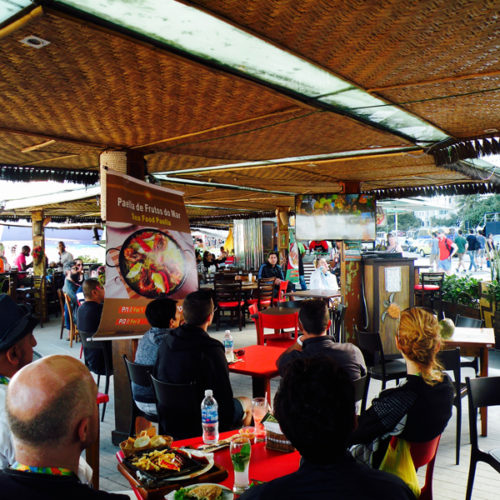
[
  {"x": 259, "y": 361},
  {"x": 265, "y": 464}
]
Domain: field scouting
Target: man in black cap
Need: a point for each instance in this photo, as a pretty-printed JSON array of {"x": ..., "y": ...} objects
[{"x": 16, "y": 351}]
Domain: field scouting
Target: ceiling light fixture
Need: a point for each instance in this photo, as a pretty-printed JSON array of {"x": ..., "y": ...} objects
[{"x": 34, "y": 41}]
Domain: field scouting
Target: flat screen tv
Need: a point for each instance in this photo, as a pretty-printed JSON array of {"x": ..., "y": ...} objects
[{"x": 335, "y": 217}]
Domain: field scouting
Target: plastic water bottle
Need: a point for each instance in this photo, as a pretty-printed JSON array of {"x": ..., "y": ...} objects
[
  {"x": 228, "y": 346},
  {"x": 210, "y": 418}
]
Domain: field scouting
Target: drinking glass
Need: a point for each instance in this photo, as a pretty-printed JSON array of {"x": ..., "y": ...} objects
[
  {"x": 240, "y": 451},
  {"x": 259, "y": 410}
]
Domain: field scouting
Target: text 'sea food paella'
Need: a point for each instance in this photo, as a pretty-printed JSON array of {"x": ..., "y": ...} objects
[{"x": 152, "y": 263}]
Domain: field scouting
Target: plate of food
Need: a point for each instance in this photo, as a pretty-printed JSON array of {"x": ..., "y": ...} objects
[
  {"x": 201, "y": 491},
  {"x": 157, "y": 467},
  {"x": 152, "y": 263}
]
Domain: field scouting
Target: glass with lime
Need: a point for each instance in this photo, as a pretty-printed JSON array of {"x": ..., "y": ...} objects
[{"x": 240, "y": 451}]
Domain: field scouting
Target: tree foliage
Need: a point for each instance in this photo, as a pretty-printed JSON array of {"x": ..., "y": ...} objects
[
  {"x": 406, "y": 220},
  {"x": 471, "y": 209}
]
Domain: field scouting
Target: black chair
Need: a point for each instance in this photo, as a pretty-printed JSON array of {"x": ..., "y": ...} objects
[
  {"x": 467, "y": 322},
  {"x": 179, "y": 408},
  {"x": 337, "y": 328},
  {"x": 98, "y": 360},
  {"x": 140, "y": 375},
  {"x": 483, "y": 391},
  {"x": 378, "y": 367},
  {"x": 450, "y": 361},
  {"x": 429, "y": 292},
  {"x": 228, "y": 298}
]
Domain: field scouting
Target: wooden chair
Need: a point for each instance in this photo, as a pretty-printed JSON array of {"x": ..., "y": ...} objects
[
  {"x": 179, "y": 410},
  {"x": 465, "y": 321},
  {"x": 429, "y": 292},
  {"x": 73, "y": 331},
  {"x": 483, "y": 391},
  {"x": 100, "y": 348},
  {"x": 378, "y": 367},
  {"x": 60, "y": 296},
  {"x": 228, "y": 298},
  {"x": 140, "y": 375},
  {"x": 264, "y": 293},
  {"x": 278, "y": 323},
  {"x": 450, "y": 360},
  {"x": 423, "y": 454}
]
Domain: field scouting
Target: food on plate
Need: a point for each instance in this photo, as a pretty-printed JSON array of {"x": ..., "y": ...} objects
[
  {"x": 157, "y": 460},
  {"x": 152, "y": 263},
  {"x": 202, "y": 492},
  {"x": 145, "y": 440}
]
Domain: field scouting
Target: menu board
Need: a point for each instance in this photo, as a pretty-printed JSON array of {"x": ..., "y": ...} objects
[{"x": 149, "y": 251}]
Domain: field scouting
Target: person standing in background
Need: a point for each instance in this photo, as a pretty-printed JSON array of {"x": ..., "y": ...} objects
[
  {"x": 471, "y": 249},
  {"x": 447, "y": 249},
  {"x": 481, "y": 241},
  {"x": 434, "y": 255},
  {"x": 461, "y": 243},
  {"x": 64, "y": 256}
]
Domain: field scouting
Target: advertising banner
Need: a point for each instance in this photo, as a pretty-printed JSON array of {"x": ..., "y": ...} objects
[{"x": 149, "y": 252}]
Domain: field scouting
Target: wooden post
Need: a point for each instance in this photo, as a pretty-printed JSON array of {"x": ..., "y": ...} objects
[
  {"x": 282, "y": 214},
  {"x": 39, "y": 265},
  {"x": 132, "y": 163}
]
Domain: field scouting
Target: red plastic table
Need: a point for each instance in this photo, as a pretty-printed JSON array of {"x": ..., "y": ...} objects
[
  {"x": 259, "y": 361},
  {"x": 265, "y": 464}
]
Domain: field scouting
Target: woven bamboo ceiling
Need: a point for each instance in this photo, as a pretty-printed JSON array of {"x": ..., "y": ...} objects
[{"x": 394, "y": 85}]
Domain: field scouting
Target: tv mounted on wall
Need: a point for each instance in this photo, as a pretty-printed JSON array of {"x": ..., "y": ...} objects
[{"x": 335, "y": 217}]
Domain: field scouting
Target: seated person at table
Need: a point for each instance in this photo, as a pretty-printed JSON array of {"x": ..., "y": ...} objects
[
  {"x": 189, "y": 354},
  {"x": 21, "y": 265},
  {"x": 315, "y": 408},
  {"x": 163, "y": 315},
  {"x": 71, "y": 284},
  {"x": 417, "y": 410},
  {"x": 88, "y": 319},
  {"x": 314, "y": 341},
  {"x": 16, "y": 351},
  {"x": 322, "y": 278},
  {"x": 52, "y": 411},
  {"x": 271, "y": 269}
]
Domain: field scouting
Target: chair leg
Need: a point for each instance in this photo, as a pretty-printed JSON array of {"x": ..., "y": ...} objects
[
  {"x": 459, "y": 430},
  {"x": 106, "y": 390},
  {"x": 470, "y": 480}
]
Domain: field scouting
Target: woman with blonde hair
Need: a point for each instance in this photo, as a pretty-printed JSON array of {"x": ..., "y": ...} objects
[{"x": 417, "y": 410}]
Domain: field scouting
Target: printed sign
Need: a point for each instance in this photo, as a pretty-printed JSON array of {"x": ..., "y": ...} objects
[{"x": 149, "y": 251}]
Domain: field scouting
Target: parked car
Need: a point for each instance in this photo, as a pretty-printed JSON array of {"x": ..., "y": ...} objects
[{"x": 423, "y": 246}]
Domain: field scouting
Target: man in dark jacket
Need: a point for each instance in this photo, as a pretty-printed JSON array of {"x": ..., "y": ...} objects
[
  {"x": 313, "y": 322},
  {"x": 315, "y": 408},
  {"x": 189, "y": 354},
  {"x": 271, "y": 268}
]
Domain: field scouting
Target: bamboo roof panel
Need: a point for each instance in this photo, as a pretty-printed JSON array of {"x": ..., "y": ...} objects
[{"x": 94, "y": 85}]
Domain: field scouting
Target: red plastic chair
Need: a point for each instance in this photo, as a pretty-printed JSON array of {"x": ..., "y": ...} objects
[
  {"x": 422, "y": 454},
  {"x": 281, "y": 292},
  {"x": 278, "y": 322}
]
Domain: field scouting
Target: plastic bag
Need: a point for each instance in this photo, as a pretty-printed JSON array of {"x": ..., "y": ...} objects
[{"x": 398, "y": 461}]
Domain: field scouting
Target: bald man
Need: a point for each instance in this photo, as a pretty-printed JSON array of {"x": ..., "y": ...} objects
[{"x": 52, "y": 412}]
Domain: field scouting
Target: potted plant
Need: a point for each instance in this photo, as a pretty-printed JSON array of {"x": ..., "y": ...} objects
[{"x": 461, "y": 295}]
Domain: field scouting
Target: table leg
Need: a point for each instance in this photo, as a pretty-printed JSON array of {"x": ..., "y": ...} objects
[
  {"x": 92, "y": 457},
  {"x": 483, "y": 372},
  {"x": 261, "y": 386}
]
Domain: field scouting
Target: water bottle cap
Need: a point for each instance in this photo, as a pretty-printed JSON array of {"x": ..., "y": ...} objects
[
  {"x": 208, "y": 392},
  {"x": 227, "y": 331}
]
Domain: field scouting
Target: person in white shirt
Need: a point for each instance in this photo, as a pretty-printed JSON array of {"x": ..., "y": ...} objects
[
  {"x": 322, "y": 278},
  {"x": 64, "y": 256}
]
